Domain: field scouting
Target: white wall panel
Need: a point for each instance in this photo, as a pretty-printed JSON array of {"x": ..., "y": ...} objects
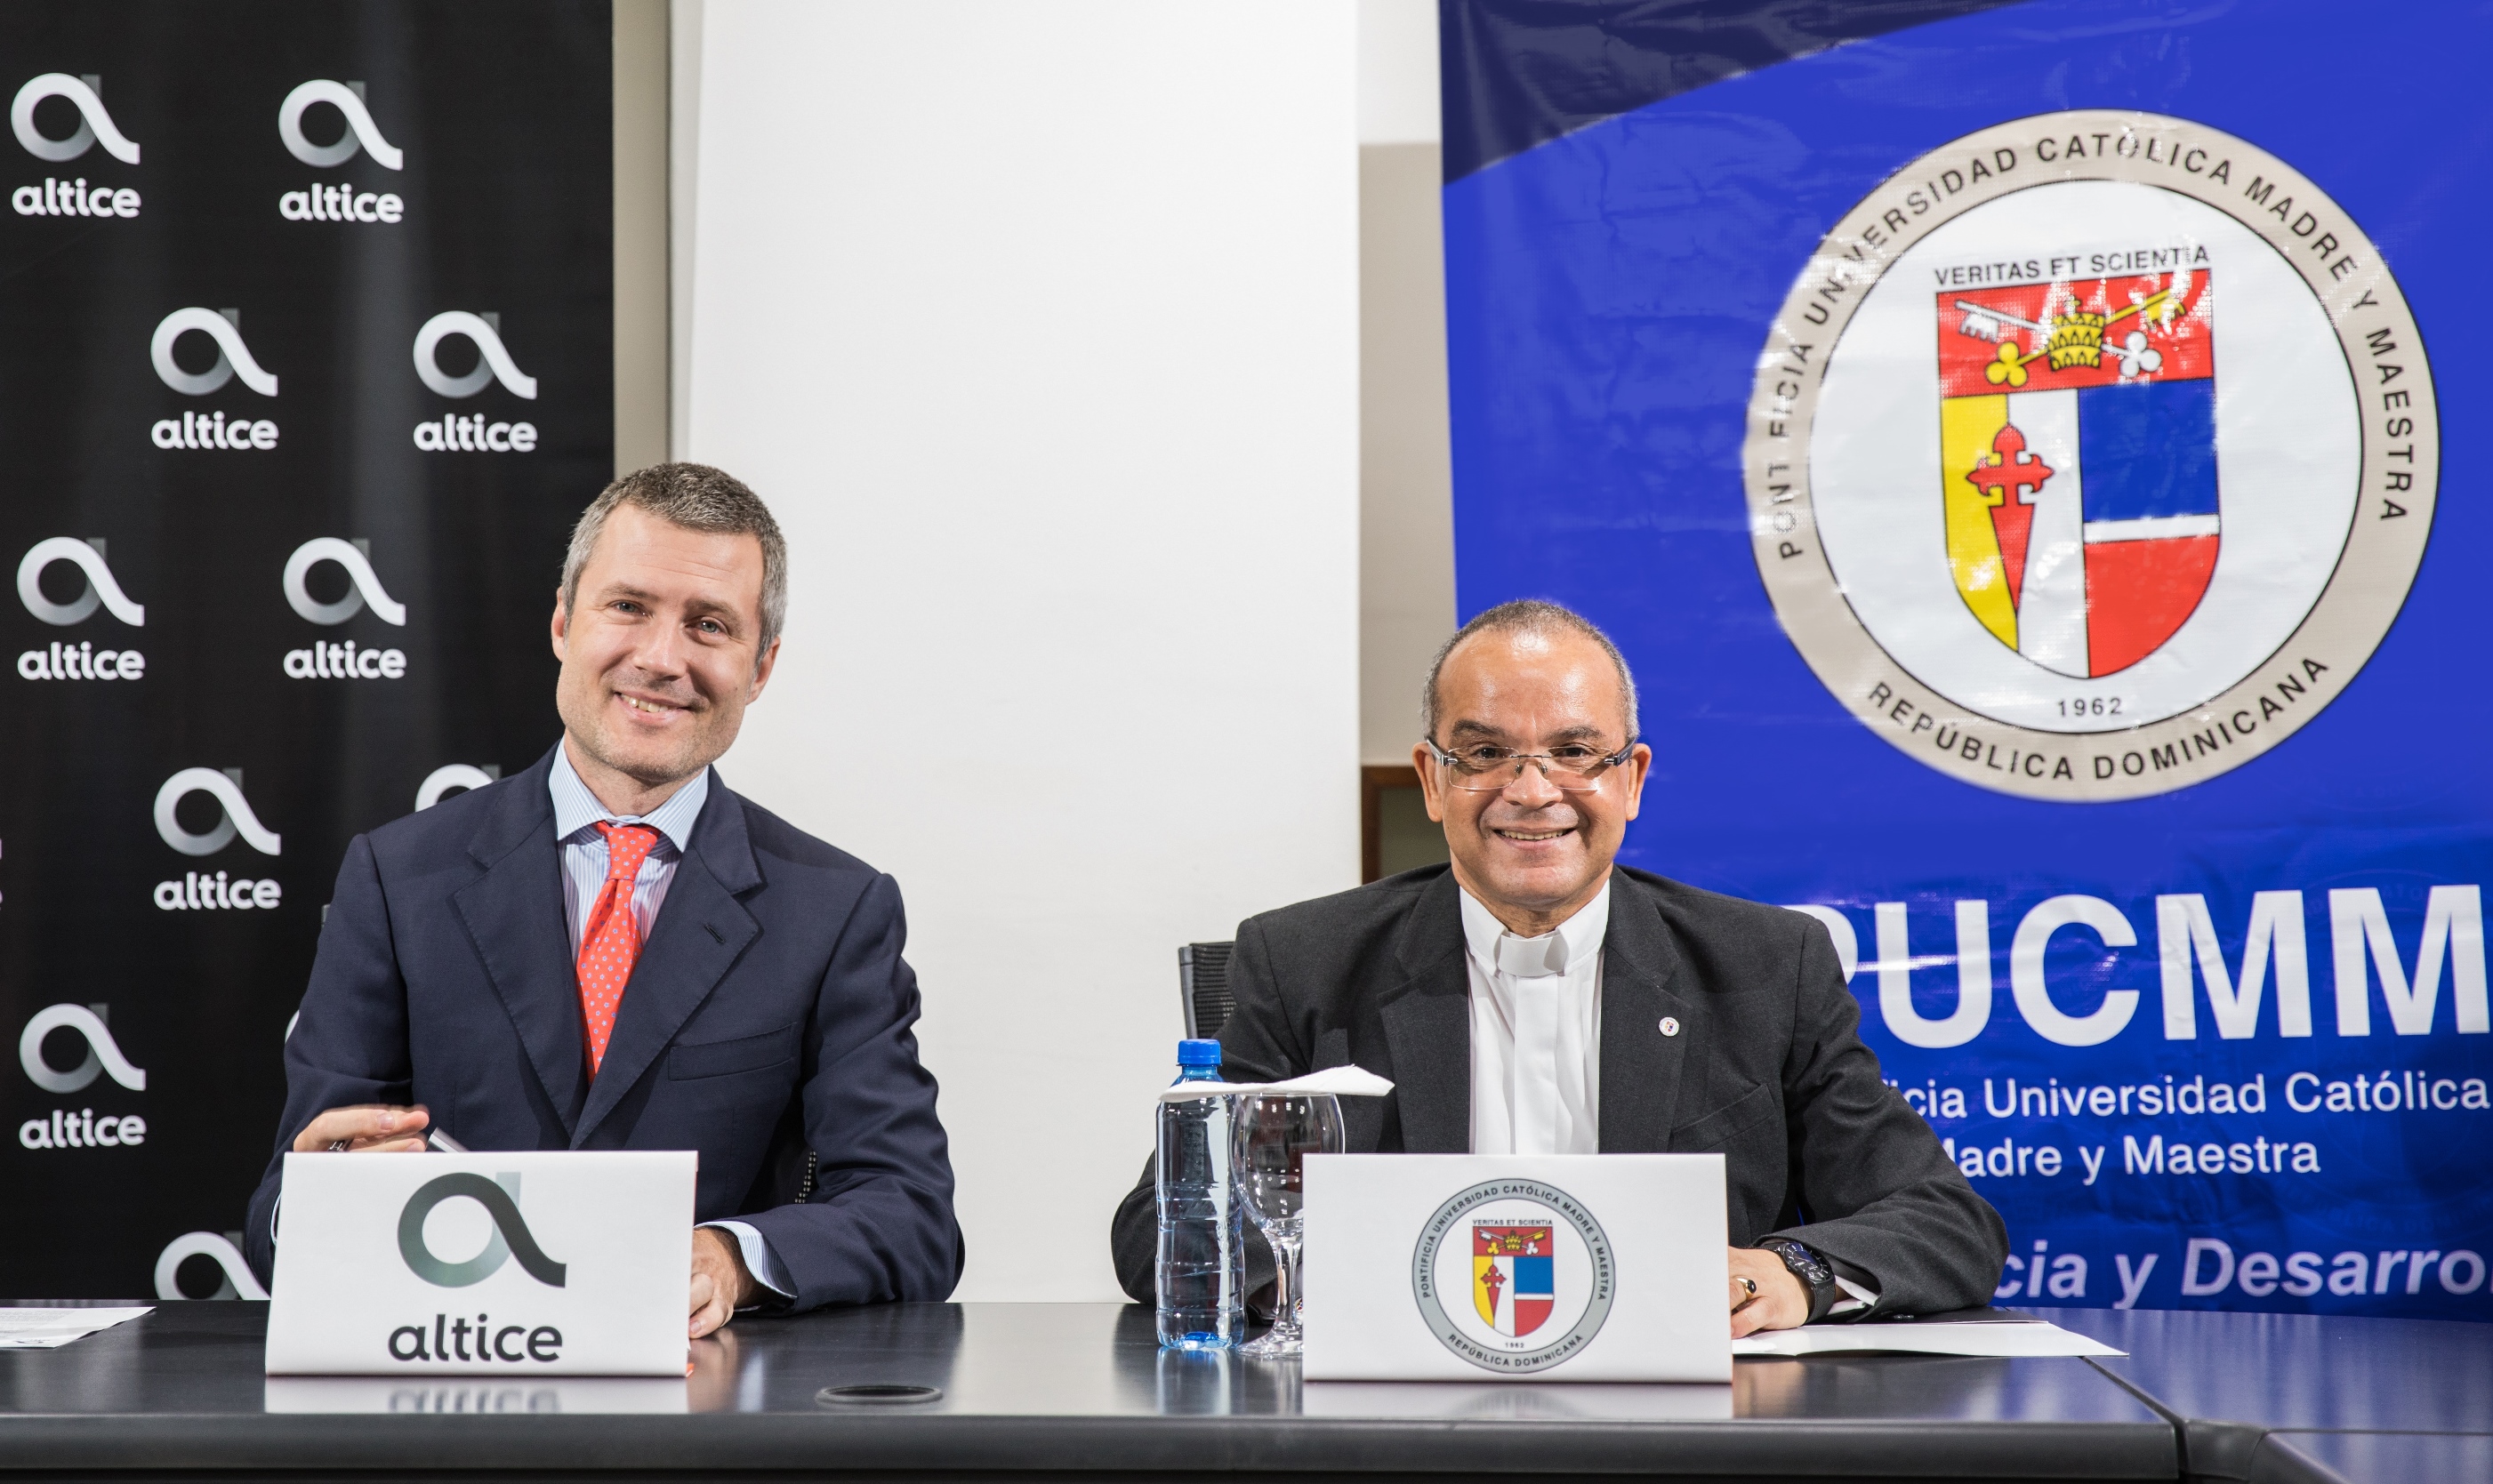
[{"x": 1037, "y": 324}]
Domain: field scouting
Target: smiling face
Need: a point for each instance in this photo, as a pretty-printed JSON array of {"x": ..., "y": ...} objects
[
  {"x": 1532, "y": 853},
  {"x": 661, "y": 653}
]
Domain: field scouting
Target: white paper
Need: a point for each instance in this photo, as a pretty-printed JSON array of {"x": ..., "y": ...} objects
[
  {"x": 2010, "y": 1339},
  {"x": 46, "y": 1329},
  {"x": 1333, "y": 1081}
]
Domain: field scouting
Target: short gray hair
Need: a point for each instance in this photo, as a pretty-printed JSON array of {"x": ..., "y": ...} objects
[
  {"x": 697, "y": 498},
  {"x": 1527, "y": 615}
]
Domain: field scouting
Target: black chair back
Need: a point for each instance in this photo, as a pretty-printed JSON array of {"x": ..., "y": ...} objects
[{"x": 1203, "y": 988}]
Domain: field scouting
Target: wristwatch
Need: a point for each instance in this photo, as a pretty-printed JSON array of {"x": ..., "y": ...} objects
[{"x": 1824, "y": 1293}]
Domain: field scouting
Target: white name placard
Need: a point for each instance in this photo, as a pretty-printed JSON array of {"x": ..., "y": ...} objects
[
  {"x": 1565, "y": 1267},
  {"x": 423, "y": 1265}
]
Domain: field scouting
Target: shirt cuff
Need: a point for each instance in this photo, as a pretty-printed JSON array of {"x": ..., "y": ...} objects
[
  {"x": 759, "y": 1259},
  {"x": 1861, "y": 1301}
]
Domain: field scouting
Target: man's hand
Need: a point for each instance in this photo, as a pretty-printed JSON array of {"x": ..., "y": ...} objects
[
  {"x": 370, "y": 1128},
  {"x": 1781, "y": 1302},
  {"x": 720, "y": 1281}
]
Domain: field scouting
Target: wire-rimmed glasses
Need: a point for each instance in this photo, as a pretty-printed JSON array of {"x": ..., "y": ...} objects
[
  {"x": 1269, "y": 1139},
  {"x": 1485, "y": 768}
]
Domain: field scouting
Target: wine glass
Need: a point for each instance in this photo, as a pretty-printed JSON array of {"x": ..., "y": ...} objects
[{"x": 1269, "y": 1137}]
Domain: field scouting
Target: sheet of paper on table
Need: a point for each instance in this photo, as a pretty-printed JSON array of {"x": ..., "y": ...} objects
[
  {"x": 2033, "y": 1337},
  {"x": 24, "y": 1329},
  {"x": 1333, "y": 1081}
]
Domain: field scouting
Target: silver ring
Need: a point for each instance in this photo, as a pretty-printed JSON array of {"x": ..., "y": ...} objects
[{"x": 339, "y": 1146}]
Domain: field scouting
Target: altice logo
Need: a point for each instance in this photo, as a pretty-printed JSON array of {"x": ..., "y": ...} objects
[
  {"x": 198, "y": 891},
  {"x": 70, "y": 197},
  {"x": 234, "y": 357},
  {"x": 237, "y": 819},
  {"x": 336, "y": 203},
  {"x": 325, "y": 661},
  {"x": 86, "y": 94},
  {"x": 471, "y": 434},
  {"x": 79, "y": 1128},
  {"x": 454, "y": 778},
  {"x": 209, "y": 430},
  {"x": 512, "y": 1238},
  {"x": 104, "y": 1055},
  {"x": 63, "y": 661}
]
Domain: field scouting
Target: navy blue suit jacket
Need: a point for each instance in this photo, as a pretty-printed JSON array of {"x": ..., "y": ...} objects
[{"x": 769, "y": 1014}]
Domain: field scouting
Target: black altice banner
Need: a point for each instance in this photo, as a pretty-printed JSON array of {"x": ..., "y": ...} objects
[{"x": 307, "y": 368}]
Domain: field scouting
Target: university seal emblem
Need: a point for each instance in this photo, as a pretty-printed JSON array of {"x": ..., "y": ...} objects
[
  {"x": 1512, "y": 1275},
  {"x": 2091, "y": 456}
]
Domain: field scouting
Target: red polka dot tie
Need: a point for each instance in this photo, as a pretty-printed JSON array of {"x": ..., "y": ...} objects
[{"x": 610, "y": 941}]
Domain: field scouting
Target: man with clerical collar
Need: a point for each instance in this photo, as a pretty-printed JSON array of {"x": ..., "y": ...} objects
[
  {"x": 613, "y": 951},
  {"x": 1535, "y": 998}
]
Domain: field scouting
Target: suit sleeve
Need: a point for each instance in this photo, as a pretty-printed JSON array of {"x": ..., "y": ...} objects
[
  {"x": 1252, "y": 1051},
  {"x": 1879, "y": 1192},
  {"x": 349, "y": 1044},
  {"x": 880, "y": 1223}
]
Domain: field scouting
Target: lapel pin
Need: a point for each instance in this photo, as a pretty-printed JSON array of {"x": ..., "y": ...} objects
[{"x": 1670, "y": 1026}]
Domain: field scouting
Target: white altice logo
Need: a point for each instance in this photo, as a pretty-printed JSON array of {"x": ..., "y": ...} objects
[
  {"x": 453, "y": 778},
  {"x": 234, "y": 357},
  {"x": 471, "y": 434},
  {"x": 225, "y": 787},
  {"x": 2042, "y": 518},
  {"x": 209, "y": 430},
  {"x": 104, "y": 1055},
  {"x": 336, "y": 203},
  {"x": 70, "y": 197},
  {"x": 79, "y": 1129},
  {"x": 326, "y": 661},
  {"x": 235, "y": 1281},
  {"x": 81, "y": 661},
  {"x": 1512, "y": 1275},
  {"x": 198, "y": 891},
  {"x": 95, "y": 125}
]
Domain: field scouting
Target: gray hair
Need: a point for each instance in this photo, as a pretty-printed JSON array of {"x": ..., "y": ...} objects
[
  {"x": 697, "y": 498},
  {"x": 1527, "y": 615}
]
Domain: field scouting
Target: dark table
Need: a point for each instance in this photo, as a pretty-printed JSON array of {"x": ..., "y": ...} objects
[
  {"x": 1054, "y": 1387},
  {"x": 1081, "y": 1389},
  {"x": 2293, "y": 1397}
]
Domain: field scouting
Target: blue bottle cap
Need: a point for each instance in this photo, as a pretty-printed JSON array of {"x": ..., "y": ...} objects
[{"x": 1198, "y": 1053}]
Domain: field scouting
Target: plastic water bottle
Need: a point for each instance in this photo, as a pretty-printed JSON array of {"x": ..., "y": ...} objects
[{"x": 1202, "y": 1246}]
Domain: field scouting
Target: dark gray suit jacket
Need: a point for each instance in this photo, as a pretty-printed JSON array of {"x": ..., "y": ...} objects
[{"x": 1767, "y": 1068}]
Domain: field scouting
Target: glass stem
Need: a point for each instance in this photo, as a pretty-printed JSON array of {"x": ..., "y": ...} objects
[{"x": 1285, "y": 1284}]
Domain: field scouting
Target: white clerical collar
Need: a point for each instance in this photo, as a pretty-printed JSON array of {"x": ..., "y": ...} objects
[{"x": 1574, "y": 942}]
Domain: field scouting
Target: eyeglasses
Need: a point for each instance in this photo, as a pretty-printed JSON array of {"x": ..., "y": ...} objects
[{"x": 1485, "y": 769}]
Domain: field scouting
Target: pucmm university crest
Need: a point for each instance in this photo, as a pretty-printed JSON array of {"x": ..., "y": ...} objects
[
  {"x": 1512, "y": 1275},
  {"x": 2091, "y": 456}
]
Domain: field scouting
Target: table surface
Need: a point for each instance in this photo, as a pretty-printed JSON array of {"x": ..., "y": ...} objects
[
  {"x": 2233, "y": 1378},
  {"x": 2356, "y": 1458},
  {"x": 1048, "y": 1385}
]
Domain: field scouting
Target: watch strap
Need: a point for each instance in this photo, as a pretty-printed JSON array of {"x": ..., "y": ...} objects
[{"x": 1817, "y": 1276}]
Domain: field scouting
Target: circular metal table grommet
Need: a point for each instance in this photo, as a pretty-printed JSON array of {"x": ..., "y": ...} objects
[{"x": 877, "y": 1394}]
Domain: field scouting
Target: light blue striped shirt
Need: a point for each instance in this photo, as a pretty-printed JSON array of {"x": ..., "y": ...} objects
[{"x": 576, "y": 814}]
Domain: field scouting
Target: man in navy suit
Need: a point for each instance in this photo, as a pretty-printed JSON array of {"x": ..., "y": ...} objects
[{"x": 612, "y": 951}]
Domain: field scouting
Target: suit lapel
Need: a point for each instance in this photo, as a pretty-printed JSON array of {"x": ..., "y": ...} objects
[
  {"x": 513, "y": 915},
  {"x": 700, "y": 931},
  {"x": 1640, "y": 1066},
  {"x": 1428, "y": 1027}
]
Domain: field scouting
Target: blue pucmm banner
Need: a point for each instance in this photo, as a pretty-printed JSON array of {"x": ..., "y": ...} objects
[{"x": 2007, "y": 440}]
